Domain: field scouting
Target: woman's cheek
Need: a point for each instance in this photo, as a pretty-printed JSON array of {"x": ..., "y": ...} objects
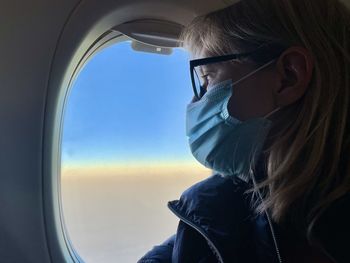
[{"x": 249, "y": 101}]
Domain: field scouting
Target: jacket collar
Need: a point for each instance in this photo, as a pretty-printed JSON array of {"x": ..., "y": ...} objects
[{"x": 219, "y": 209}]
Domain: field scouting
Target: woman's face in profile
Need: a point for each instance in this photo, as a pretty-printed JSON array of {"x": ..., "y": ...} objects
[{"x": 278, "y": 85}]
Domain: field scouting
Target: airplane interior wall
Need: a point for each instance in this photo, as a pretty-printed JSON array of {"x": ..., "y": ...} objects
[{"x": 29, "y": 34}]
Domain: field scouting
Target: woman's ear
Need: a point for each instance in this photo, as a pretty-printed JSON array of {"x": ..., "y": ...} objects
[{"x": 295, "y": 68}]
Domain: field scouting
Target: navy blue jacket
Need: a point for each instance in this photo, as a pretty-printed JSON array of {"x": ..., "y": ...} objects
[{"x": 217, "y": 224}]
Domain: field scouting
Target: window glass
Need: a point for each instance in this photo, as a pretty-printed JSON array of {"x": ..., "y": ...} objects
[{"x": 125, "y": 153}]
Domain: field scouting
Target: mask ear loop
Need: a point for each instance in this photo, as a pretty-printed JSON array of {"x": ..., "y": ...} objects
[
  {"x": 272, "y": 112},
  {"x": 253, "y": 72},
  {"x": 226, "y": 115}
]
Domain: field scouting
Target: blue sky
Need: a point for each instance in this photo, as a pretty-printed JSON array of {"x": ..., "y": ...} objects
[{"x": 128, "y": 107}]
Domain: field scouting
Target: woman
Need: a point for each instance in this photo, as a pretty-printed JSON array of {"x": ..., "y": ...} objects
[{"x": 271, "y": 117}]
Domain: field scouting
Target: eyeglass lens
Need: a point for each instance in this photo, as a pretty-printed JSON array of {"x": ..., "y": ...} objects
[{"x": 199, "y": 82}]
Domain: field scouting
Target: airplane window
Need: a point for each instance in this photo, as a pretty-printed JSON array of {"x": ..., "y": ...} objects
[{"x": 125, "y": 153}]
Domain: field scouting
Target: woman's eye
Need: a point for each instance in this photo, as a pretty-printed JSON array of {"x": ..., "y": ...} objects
[
  {"x": 207, "y": 79},
  {"x": 203, "y": 80},
  {"x": 204, "y": 77}
]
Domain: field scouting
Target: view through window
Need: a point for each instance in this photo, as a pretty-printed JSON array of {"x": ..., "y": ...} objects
[{"x": 125, "y": 153}]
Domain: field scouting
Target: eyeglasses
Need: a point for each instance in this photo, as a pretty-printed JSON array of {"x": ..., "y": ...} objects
[{"x": 199, "y": 83}]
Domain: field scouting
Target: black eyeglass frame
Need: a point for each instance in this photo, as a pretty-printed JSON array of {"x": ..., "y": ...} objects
[{"x": 216, "y": 59}]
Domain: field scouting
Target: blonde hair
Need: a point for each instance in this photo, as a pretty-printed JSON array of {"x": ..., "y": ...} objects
[{"x": 308, "y": 162}]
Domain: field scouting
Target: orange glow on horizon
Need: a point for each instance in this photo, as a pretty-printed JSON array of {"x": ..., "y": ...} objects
[{"x": 164, "y": 169}]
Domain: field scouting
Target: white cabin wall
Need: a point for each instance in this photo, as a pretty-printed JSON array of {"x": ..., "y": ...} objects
[{"x": 29, "y": 32}]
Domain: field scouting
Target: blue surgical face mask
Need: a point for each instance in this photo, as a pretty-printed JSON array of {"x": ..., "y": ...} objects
[{"x": 219, "y": 141}]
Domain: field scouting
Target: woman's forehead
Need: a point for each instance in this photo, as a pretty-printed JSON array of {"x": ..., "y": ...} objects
[
  {"x": 198, "y": 52},
  {"x": 203, "y": 52}
]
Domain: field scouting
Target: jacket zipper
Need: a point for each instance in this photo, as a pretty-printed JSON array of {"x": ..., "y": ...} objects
[
  {"x": 270, "y": 225},
  {"x": 211, "y": 244},
  {"x": 274, "y": 237}
]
